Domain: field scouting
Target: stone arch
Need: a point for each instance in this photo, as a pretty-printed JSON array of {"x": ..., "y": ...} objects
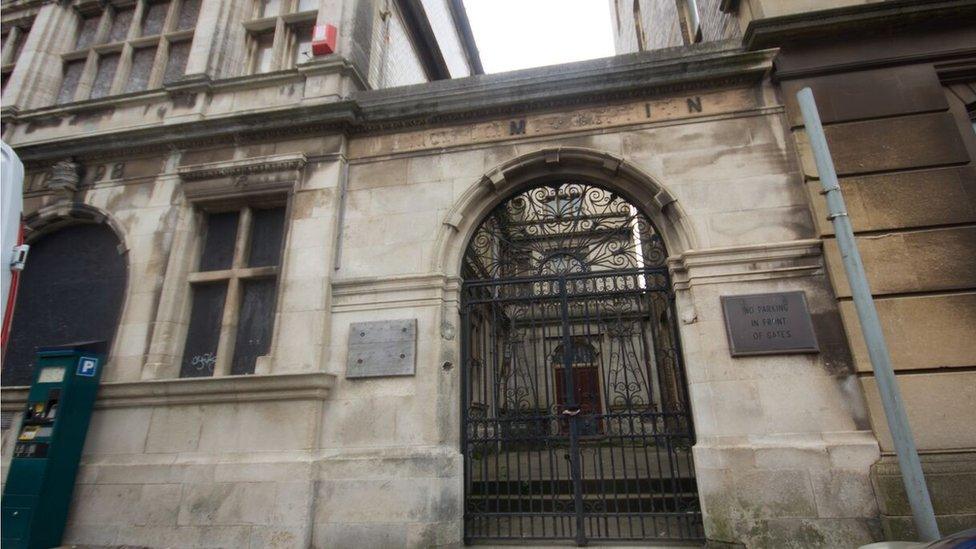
[
  {"x": 51, "y": 218},
  {"x": 74, "y": 286},
  {"x": 602, "y": 168},
  {"x": 514, "y": 316}
]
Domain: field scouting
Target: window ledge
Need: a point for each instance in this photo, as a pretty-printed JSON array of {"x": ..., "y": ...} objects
[{"x": 198, "y": 390}]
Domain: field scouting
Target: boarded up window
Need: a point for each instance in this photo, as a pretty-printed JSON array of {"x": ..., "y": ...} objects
[
  {"x": 247, "y": 293},
  {"x": 71, "y": 290},
  {"x": 154, "y": 17},
  {"x": 89, "y": 27},
  {"x": 120, "y": 24},
  {"x": 203, "y": 335},
  {"x": 254, "y": 325},
  {"x": 179, "y": 52},
  {"x": 105, "y": 75},
  {"x": 189, "y": 11},
  {"x": 266, "y": 237},
  {"x": 69, "y": 84},
  {"x": 142, "y": 64},
  {"x": 218, "y": 248}
]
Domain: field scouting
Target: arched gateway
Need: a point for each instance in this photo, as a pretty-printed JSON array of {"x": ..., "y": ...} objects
[{"x": 575, "y": 409}]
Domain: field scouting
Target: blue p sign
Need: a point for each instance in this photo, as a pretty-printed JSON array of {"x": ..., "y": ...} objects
[{"x": 87, "y": 366}]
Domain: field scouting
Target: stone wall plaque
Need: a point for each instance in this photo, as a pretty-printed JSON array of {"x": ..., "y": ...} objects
[
  {"x": 382, "y": 348},
  {"x": 766, "y": 324}
]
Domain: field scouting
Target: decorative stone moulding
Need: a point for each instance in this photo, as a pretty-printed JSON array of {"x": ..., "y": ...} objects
[
  {"x": 53, "y": 217},
  {"x": 61, "y": 181},
  {"x": 598, "y": 167},
  {"x": 196, "y": 390},
  {"x": 245, "y": 177},
  {"x": 746, "y": 263}
]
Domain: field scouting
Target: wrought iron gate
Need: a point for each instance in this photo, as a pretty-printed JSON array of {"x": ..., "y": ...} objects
[{"x": 575, "y": 417}]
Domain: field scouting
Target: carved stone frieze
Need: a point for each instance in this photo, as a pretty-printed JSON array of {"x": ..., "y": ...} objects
[
  {"x": 259, "y": 175},
  {"x": 61, "y": 180}
]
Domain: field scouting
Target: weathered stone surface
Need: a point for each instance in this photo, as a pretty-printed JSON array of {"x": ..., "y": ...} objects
[
  {"x": 918, "y": 141},
  {"x": 925, "y": 198},
  {"x": 382, "y": 348},
  {"x": 917, "y": 261},
  {"x": 939, "y": 407},
  {"x": 391, "y": 186},
  {"x": 877, "y": 93},
  {"x": 926, "y": 331},
  {"x": 951, "y": 480}
]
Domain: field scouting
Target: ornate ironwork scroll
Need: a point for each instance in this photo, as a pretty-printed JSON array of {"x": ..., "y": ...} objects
[
  {"x": 563, "y": 228},
  {"x": 576, "y": 424}
]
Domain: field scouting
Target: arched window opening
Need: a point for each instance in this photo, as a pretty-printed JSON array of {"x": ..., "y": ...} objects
[{"x": 71, "y": 290}]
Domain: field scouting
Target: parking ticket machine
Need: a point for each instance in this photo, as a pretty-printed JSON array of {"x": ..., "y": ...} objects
[{"x": 45, "y": 459}]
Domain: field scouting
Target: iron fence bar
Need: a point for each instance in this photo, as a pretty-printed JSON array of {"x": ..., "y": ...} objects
[
  {"x": 580, "y": 495},
  {"x": 465, "y": 400},
  {"x": 571, "y": 406}
]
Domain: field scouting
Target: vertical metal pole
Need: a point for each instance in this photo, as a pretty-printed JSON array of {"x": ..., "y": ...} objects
[
  {"x": 465, "y": 398},
  {"x": 901, "y": 432},
  {"x": 571, "y": 413}
]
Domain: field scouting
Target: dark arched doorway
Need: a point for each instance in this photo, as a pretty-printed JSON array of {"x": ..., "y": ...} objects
[
  {"x": 575, "y": 409},
  {"x": 71, "y": 290}
]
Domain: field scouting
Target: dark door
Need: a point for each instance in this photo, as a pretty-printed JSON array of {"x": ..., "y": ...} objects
[{"x": 586, "y": 392}]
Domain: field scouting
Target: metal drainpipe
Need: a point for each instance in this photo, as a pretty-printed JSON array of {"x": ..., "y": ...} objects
[{"x": 867, "y": 314}]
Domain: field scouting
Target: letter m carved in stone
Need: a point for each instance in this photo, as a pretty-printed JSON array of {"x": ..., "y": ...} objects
[{"x": 516, "y": 127}]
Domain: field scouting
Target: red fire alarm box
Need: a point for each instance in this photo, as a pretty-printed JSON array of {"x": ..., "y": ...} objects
[{"x": 324, "y": 39}]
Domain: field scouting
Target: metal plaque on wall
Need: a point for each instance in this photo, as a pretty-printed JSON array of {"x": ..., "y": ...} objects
[
  {"x": 382, "y": 348},
  {"x": 766, "y": 324}
]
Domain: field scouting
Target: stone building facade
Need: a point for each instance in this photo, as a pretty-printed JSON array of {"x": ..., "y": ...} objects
[
  {"x": 898, "y": 107},
  {"x": 242, "y": 213}
]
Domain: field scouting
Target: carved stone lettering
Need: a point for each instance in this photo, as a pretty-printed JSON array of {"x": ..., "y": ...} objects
[
  {"x": 552, "y": 123},
  {"x": 516, "y": 127}
]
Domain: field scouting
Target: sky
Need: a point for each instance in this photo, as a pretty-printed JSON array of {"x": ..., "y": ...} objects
[{"x": 518, "y": 34}]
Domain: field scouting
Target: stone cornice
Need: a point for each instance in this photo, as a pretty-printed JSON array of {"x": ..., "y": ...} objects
[
  {"x": 245, "y": 166},
  {"x": 329, "y": 118},
  {"x": 246, "y": 176},
  {"x": 369, "y": 293},
  {"x": 198, "y": 390},
  {"x": 443, "y": 102},
  {"x": 823, "y": 24},
  {"x": 745, "y": 263},
  {"x": 605, "y": 80}
]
